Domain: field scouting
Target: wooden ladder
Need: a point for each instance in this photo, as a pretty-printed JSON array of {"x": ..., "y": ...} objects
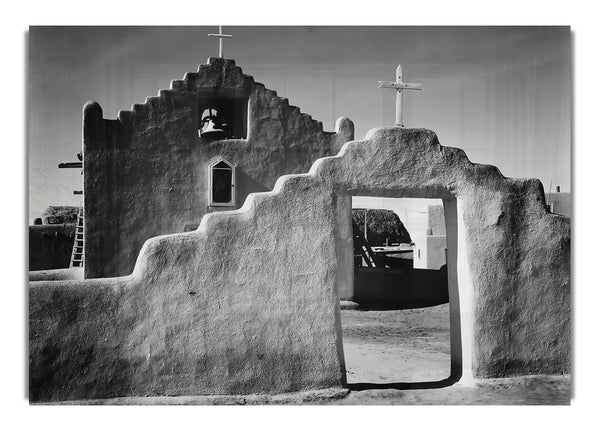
[
  {"x": 363, "y": 246},
  {"x": 77, "y": 257}
]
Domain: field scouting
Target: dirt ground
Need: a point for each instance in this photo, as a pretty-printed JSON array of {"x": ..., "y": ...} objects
[
  {"x": 397, "y": 345},
  {"x": 397, "y": 356}
]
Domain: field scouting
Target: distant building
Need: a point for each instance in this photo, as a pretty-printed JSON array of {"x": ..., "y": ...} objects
[{"x": 430, "y": 250}]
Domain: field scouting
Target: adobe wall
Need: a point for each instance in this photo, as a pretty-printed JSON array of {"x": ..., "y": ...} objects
[
  {"x": 403, "y": 288},
  {"x": 248, "y": 302},
  {"x": 146, "y": 172},
  {"x": 72, "y": 273},
  {"x": 50, "y": 246}
]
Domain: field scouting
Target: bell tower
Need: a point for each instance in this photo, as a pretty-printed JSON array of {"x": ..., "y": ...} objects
[{"x": 222, "y": 114}]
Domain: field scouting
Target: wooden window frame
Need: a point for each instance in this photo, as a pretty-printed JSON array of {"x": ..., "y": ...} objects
[{"x": 211, "y": 201}]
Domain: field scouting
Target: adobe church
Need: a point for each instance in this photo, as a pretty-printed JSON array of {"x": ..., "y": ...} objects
[
  {"x": 249, "y": 301},
  {"x": 201, "y": 146}
]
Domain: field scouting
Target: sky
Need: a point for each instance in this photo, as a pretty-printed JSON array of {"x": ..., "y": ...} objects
[{"x": 503, "y": 94}]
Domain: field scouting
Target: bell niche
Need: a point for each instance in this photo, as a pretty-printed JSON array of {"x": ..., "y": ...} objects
[{"x": 222, "y": 116}]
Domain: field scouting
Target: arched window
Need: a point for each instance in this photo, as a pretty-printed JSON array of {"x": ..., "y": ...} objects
[{"x": 222, "y": 184}]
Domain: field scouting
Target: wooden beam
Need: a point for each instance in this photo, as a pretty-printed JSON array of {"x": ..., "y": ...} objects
[
  {"x": 399, "y": 85},
  {"x": 70, "y": 165}
]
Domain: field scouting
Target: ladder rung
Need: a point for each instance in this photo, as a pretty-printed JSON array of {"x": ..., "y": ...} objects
[{"x": 77, "y": 253}]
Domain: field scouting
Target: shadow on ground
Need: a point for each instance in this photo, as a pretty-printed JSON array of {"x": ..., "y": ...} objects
[{"x": 405, "y": 386}]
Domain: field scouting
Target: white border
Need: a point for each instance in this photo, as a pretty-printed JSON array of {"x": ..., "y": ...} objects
[{"x": 582, "y": 16}]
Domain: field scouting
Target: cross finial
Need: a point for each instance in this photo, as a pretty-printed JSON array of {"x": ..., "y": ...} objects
[
  {"x": 220, "y": 35},
  {"x": 399, "y": 86}
]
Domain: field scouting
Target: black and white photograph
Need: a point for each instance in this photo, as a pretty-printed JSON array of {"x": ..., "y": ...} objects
[
  {"x": 299, "y": 215},
  {"x": 330, "y": 224}
]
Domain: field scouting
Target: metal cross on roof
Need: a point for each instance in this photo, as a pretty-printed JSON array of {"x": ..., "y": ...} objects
[
  {"x": 220, "y": 35},
  {"x": 399, "y": 86}
]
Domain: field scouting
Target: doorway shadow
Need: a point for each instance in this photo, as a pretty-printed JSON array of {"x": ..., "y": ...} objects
[{"x": 449, "y": 381}]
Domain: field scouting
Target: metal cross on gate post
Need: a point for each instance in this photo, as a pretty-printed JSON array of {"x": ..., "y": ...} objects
[
  {"x": 399, "y": 86},
  {"x": 220, "y": 35}
]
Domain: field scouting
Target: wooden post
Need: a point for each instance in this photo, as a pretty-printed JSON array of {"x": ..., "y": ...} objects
[
  {"x": 399, "y": 122},
  {"x": 366, "y": 238}
]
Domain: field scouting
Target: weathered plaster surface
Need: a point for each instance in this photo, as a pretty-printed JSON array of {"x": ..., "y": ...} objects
[
  {"x": 248, "y": 303},
  {"x": 435, "y": 220},
  {"x": 74, "y": 273},
  {"x": 146, "y": 173}
]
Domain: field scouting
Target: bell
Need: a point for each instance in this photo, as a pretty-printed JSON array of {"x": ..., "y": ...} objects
[{"x": 212, "y": 132}]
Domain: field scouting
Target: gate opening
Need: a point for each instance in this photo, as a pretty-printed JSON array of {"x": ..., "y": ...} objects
[{"x": 396, "y": 320}]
